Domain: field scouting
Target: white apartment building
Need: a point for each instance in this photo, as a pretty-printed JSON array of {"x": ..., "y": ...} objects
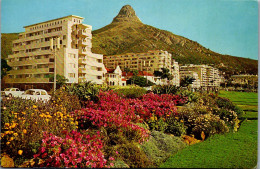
[
  {"x": 208, "y": 76},
  {"x": 33, "y": 59}
]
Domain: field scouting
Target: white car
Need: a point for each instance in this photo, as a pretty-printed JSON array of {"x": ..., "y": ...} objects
[
  {"x": 12, "y": 92},
  {"x": 36, "y": 94}
]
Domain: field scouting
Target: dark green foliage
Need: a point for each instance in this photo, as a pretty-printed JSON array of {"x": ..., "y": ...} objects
[
  {"x": 4, "y": 68},
  {"x": 6, "y": 44},
  {"x": 164, "y": 74},
  {"x": 165, "y": 89},
  {"x": 60, "y": 80},
  {"x": 85, "y": 91},
  {"x": 175, "y": 127},
  {"x": 186, "y": 81},
  {"x": 130, "y": 92},
  {"x": 225, "y": 103},
  {"x": 140, "y": 81}
]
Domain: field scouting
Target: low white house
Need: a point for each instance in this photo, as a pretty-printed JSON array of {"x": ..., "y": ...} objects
[{"x": 114, "y": 77}]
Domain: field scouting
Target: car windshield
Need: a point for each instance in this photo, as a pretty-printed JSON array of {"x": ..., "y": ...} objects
[
  {"x": 7, "y": 89},
  {"x": 29, "y": 92}
]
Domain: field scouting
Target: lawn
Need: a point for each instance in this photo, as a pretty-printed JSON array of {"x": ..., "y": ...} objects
[{"x": 229, "y": 150}]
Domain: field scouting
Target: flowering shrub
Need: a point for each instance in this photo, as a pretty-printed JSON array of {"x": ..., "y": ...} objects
[
  {"x": 165, "y": 89},
  {"x": 208, "y": 123},
  {"x": 74, "y": 150},
  {"x": 175, "y": 126},
  {"x": 25, "y": 120}
]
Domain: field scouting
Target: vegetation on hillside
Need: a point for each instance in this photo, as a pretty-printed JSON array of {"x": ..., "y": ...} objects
[{"x": 6, "y": 43}]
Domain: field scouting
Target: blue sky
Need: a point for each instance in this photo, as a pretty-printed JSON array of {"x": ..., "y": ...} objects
[{"x": 224, "y": 26}]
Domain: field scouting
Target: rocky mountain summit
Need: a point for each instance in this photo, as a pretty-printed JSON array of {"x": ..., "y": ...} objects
[{"x": 126, "y": 13}]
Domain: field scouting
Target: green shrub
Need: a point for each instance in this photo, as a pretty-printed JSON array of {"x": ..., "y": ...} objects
[
  {"x": 175, "y": 127},
  {"x": 133, "y": 156},
  {"x": 160, "y": 146},
  {"x": 130, "y": 91},
  {"x": 207, "y": 122},
  {"x": 226, "y": 104},
  {"x": 192, "y": 96},
  {"x": 157, "y": 124},
  {"x": 140, "y": 81},
  {"x": 85, "y": 91},
  {"x": 165, "y": 89}
]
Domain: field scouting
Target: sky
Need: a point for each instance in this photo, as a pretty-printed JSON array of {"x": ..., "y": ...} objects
[{"x": 224, "y": 26}]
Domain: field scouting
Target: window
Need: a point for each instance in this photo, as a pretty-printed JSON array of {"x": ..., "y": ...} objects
[
  {"x": 43, "y": 93},
  {"x": 72, "y": 75},
  {"x": 64, "y": 37}
]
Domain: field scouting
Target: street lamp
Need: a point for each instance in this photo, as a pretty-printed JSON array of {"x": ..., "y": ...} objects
[{"x": 55, "y": 47}]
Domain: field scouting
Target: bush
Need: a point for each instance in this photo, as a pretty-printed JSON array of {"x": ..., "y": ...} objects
[
  {"x": 225, "y": 103},
  {"x": 72, "y": 150},
  {"x": 130, "y": 91},
  {"x": 175, "y": 127},
  {"x": 140, "y": 81},
  {"x": 85, "y": 91},
  {"x": 23, "y": 122},
  {"x": 207, "y": 122},
  {"x": 165, "y": 89},
  {"x": 192, "y": 96},
  {"x": 133, "y": 156},
  {"x": 160, "y": 146}
]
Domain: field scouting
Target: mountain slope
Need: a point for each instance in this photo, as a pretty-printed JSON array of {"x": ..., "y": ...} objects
[{"x": 127, "y": 33}]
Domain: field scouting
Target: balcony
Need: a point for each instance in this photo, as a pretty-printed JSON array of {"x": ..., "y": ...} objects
[
  {"x": 30, "y": 62},
  {"x": 27, "y": 80},
  {"x": 29, "y": 71},
  {"x": 82, "y": 70},
  {"x": 83, "y": 34}
]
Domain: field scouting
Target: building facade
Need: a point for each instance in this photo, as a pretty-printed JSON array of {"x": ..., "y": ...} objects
[
  {"x": 114, "y": 77},
  {"x": 208, "y": 75},
  {"x": 65, "y": 40},
  {"x": 149, "y": 61},
  {"x": 196, "y": 83}
]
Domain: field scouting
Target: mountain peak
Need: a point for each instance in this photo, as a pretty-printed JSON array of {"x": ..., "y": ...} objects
[{"x": 126, "y": 13}]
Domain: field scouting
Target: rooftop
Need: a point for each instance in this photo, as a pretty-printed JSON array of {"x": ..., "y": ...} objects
[{"x": 55, "y": 20}]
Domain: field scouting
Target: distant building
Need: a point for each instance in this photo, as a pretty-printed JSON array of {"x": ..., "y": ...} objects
[
  {"x": 245, "y": 79},
  {"x": 114, "y": 77},
  {"x": 207, "y": 75},
  {"x": 149, "y": 62},
  {"x": 33, "y": 58}
]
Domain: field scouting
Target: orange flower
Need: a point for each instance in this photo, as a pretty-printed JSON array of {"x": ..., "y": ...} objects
[
  {"x": 24, "y": 131},
  {"x": 20, "y": 152}
]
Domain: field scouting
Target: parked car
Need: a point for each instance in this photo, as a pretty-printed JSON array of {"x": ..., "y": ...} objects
[
  {"x": 36, "y": 94},
  {"x": 12, "y": 92}
]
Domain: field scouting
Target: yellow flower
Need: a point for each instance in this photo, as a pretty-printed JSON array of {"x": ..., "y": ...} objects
[
  {"x": 34, "y": 106},
  {"x": 152, "y": 118},
  {"x": 11, "y": 139},
  {"x": 24, "y": 131},
  {"x": 23, "y": 113},
  {"x": 36, "y": 122},
  {"x": 181, "y": 121},
  {"x": 47, "y": 120},
  {"x": 7, "y": 143},
  {"x": 7, "y": 132},
  {"x": 15, "y": 134},
  {"x": 177, "y": 118},
  {"x": 2, "y": 134},
  {"x": 13, "y": 125},
  {"x": 20, "y": 152},
  {"x": 7, "y": 124}
]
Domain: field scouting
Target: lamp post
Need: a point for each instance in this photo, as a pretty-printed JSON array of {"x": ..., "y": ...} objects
[{"x": 55, "y": 47}]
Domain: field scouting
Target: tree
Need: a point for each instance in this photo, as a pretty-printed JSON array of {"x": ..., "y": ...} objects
[
  {"x": 164, "y": 74},
  {"x": 4, "y": 68},
  {"x": 127, "y": 70},
  {"x": 60, "y": 80},
  {"x": 140, "y": 81},
  {"x": 135, "y": 72},
  {"x": 186, "y": 81}
]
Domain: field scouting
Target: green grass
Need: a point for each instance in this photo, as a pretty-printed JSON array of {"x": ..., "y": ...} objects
[
  {"x": 247, "y": 101},
  {"x": 230, "y": 150}
]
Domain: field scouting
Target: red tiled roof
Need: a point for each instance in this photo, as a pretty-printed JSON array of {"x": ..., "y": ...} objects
[{"x": 110, "y": 70}]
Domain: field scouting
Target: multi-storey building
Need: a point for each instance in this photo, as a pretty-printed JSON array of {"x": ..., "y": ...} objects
[
  {"x": 196, "y": 82},
  {"x": 65, "y": 40},
  {"x": 149, "y": 61},
  {"x": 208, "y": 76}
]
